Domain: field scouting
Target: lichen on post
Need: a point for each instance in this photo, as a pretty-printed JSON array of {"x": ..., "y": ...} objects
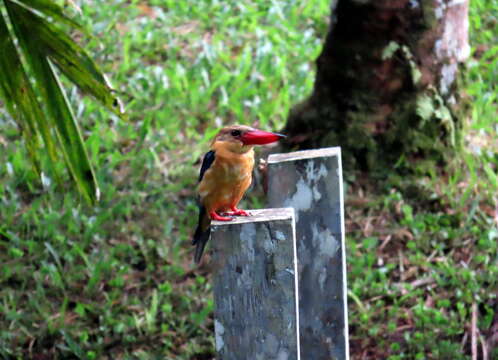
[
  {"x": 311, "y": 182},
  {"x": 255, "y": 286}
]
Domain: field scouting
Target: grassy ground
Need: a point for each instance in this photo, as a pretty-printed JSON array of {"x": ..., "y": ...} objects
[{"x": 116, "y": 281}]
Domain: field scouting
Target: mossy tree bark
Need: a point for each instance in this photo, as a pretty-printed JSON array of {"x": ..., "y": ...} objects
[{"x": 386, "y": 84}]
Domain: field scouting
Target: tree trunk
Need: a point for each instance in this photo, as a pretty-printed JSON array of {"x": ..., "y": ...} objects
[{"x": 386, "y": 84}]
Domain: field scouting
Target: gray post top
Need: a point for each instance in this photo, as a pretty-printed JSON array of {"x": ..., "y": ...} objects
[
  {"x": 259, "y": 216},
  {"x": 304, "y": 154}
]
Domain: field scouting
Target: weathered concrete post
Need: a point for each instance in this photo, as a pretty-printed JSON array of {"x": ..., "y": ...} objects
[
  {"x": 255, "y": 286},
  {"x": 311, "y": 183}
]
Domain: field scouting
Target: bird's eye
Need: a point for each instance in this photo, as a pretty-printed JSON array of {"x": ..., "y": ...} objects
[{"x": 235, "y": 133}]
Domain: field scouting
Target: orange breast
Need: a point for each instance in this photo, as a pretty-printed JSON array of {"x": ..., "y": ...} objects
[{"x": 226, "y": 181}]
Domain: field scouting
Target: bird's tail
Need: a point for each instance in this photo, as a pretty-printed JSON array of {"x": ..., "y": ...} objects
[{"x": 201, "y": 235}]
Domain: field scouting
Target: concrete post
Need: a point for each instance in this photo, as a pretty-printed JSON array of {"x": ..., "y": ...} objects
[
  {"x": 311, "y": 183},
  {"x": 255, "y": 286}
]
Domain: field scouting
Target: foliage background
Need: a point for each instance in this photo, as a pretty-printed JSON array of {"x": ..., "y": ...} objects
[{"x": 116, "y": 281}]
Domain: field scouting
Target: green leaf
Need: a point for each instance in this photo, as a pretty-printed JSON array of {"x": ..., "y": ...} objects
[
  {"x": 69, "y": 57},
  {"x": 50, "y": 8},
  {"x": 20, "y": 98},
  {"x": 73, "y": 345},
  {"x": 26, "y": 24},
  {"x": 34, "y": 97},
  {"x": 493, "y": 178}
]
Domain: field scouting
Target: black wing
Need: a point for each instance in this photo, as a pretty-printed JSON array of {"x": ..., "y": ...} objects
[
  {"x": 203, "y": 230},
  {"x": 206, "y": 163}
]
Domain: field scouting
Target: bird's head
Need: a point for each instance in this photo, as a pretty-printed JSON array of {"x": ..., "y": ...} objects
[{"x": 241, "y": 138}]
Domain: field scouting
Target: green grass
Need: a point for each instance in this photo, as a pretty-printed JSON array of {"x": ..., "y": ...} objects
[{"x": 117, "y": 281}]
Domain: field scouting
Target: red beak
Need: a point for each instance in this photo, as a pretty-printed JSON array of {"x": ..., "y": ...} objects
[{"x": 259, "y": 137}]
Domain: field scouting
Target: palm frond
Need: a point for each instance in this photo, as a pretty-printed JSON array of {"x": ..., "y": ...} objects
[{"x": 38, "y": 102}]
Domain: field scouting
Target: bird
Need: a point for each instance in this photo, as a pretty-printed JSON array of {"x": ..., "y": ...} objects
[{"x": 225, "y": 176}]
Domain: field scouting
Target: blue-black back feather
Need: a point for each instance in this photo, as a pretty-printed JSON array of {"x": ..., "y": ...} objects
[{"x": 206, "y": 163}]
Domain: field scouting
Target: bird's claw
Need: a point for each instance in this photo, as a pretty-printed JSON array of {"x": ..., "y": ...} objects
[
  {"x": 237, "y": 212},
  {"x": 214, "y": 216}
]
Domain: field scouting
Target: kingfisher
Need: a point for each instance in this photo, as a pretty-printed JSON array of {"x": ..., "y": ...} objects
[{"x": 225, "y": 176}]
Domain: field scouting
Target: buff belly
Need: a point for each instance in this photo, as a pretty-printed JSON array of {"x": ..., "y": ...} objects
[{"x": 224, "y": 185}]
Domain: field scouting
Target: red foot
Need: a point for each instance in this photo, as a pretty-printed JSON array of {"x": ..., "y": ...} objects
[
  {"x": 237, "y": 212},
  {"x": 214, "y": 216}
]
